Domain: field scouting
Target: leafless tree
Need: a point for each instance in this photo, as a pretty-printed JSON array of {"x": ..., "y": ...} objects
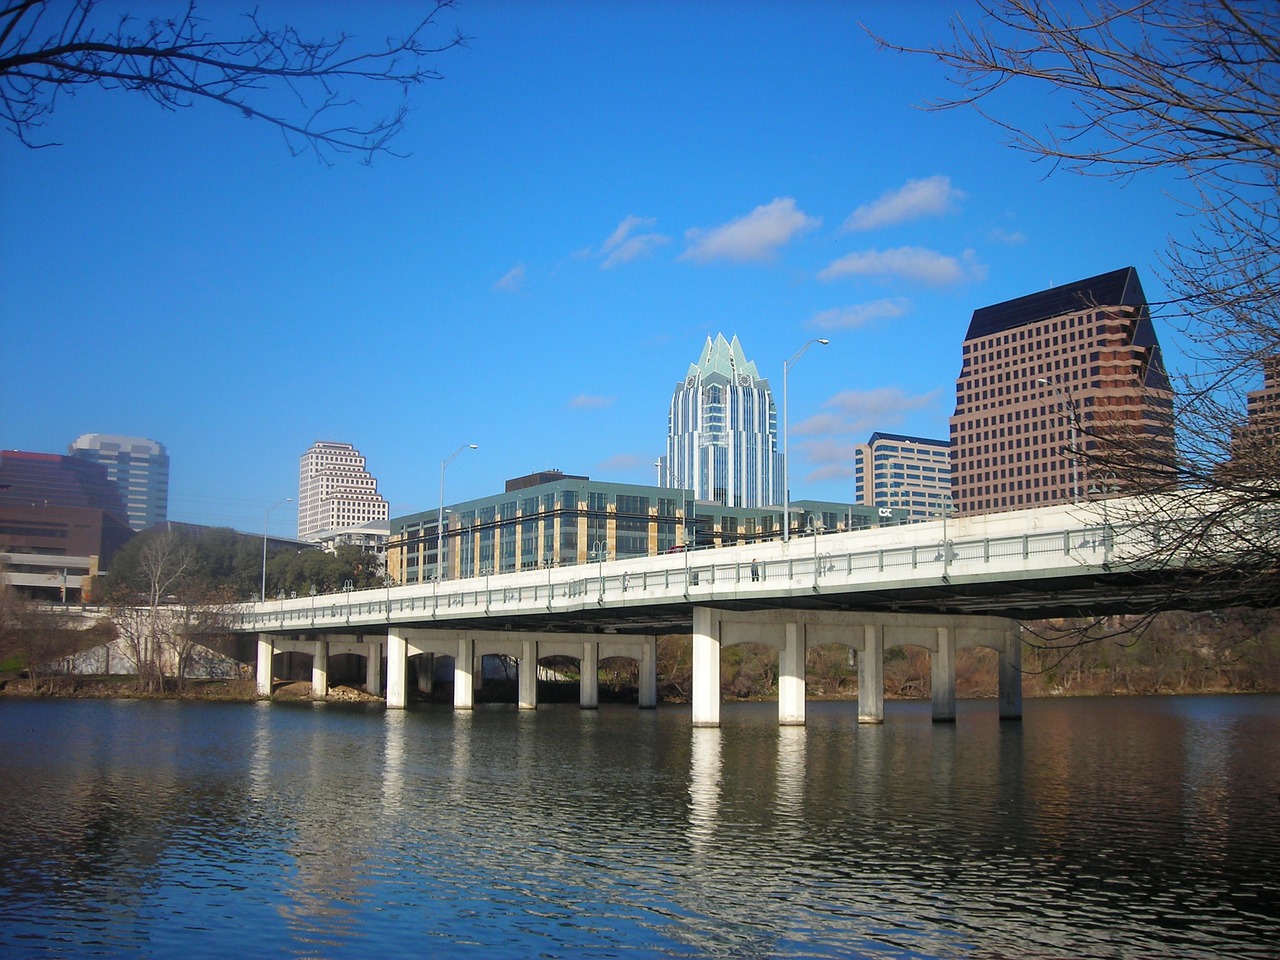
[
  {"x": 1188, "y": 88},
  {"x": 307, "y": 86},
  {"x": 149, "y": 618}
]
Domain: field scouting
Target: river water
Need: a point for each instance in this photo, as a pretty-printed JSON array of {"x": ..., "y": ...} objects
[{"x": 1126, "y": 827}]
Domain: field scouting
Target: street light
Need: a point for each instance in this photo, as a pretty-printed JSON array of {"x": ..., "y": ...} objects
[
  {"x": 684, "y": 505},
  {"x": 440, "y": 519},
  {"x": 1070, "y": 405},
  {"x": 266, "y": 517},
  {"x": 786, "y": 466}
]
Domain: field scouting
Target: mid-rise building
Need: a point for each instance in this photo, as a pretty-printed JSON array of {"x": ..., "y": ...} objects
[
  {"x": 336, "y": 491},
  {"x": 1255, "y": 444},
  {"x": 551, "y": 519},
  {"x": 722, "y": 431},
  {"x": 1053, "y": 385},
  {"x": 908, "y": 473},
  {"x": 61, "y": 521},
  {"x": 139, "y": 467}
]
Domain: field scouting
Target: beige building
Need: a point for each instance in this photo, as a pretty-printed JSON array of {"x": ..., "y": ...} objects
[
  {"x": 901, "y": 472},
  {"x": 336, "y": 491},
  {"x": 1056, "y": 384}
]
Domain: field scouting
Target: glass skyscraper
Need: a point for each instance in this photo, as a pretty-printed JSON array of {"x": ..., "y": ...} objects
[
  {"x": 138, "y": 467},
  {"x": 722, "y": 436}
]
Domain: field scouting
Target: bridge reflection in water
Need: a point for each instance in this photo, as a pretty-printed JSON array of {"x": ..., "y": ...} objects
[{"x": 943, "y": 585}]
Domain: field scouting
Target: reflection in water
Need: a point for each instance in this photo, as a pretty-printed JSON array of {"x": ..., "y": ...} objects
[
  {"x": 704, "y": 788},
  {"x": 1094, "y": 828}
]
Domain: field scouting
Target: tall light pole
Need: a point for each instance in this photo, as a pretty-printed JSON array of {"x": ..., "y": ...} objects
[
  {"x": 440, "y": 519},
  {"x": 265, "y": 519},
  {"x": 684, "y": 505},
  {"x": 786, "y": 465},
  {"x": 1072, "y": 419}
]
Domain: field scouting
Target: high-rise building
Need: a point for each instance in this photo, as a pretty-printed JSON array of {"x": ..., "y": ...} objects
[
  {"x": 139, "y": 467},
  {"x": 722, "y": 436},
  {"x": 1050, "y": 384},
  {"x": 1255, "y": 444},
  {"x": 908, "y": 473},
  {"x": 335, "y": 491}
]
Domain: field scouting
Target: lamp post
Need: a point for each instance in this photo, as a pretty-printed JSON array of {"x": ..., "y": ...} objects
[
  {"x": 786, "y": 465},
  {"x": 265, "y": 519},
  {"x": 1069, "y": 404},
  {"x": 440, "y": 518}
]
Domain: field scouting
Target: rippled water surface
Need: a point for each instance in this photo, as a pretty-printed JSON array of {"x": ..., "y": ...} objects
[{"x": 1093, "y": 828}]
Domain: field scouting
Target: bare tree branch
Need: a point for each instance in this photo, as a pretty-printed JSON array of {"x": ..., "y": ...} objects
[{"x": 49, "y": 47}]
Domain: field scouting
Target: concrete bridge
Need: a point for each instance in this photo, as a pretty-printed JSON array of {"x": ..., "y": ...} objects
[{"x": 942, "y": 585}]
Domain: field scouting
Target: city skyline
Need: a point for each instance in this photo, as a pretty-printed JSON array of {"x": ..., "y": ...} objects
[{"x": 589, "y": 193}]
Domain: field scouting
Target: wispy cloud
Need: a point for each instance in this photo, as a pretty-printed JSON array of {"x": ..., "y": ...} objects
[
  {"x": 930, "y": 197},
  {"x": 907, "y": 263},
  {"x": 585, "y": 401},
  {"x": 859, "y": 314},
  {"x": 625, "y": 463},
  {"x": 863, "y": 411},
  {"x": 756, "y": 236},
  {"x": 512, "y": 280},
  {"x": 1012, "y": 238},
  {"x": 625, "y": 244}
]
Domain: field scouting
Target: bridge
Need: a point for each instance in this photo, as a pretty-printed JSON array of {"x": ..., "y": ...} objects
[{"x": 943, "y": 585}]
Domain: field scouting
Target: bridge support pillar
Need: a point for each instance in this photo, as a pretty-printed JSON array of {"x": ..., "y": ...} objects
[
  {"x": 589, "y": 676},
  {"x": 706, "y": 667},
  {"x": 266, "y": 652},
  {"x": 1011, "y": 676},
  {"x": 791, "y": 676},
  {"x": 648, "y": 687},
  {"x": 397, "y": 670},
  {"x": 528, "y": 677},
  {"x": 871, "y": 674},
  {"x": 320, "y": 669},
  {"x": 463, "y": 664},
  {"x": 943, "y": 663},
  {"x": 373, "y": 667}
]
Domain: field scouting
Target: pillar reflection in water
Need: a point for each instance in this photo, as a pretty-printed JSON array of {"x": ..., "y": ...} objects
[
  {"x": 704, "y": 787},
  {"x": 394, "y": 722}
]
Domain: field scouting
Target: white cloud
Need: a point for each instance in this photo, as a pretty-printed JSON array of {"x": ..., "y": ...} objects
[
  {"x": 625, "y": 463},
  {"x": 1011, "y": 237},
  {"x": 623, "y": 245},
  {"x": 756, "y": 236},
  {"x": 585, "y": 401},
  {"x": 633, "y": 248},
  {"x": 907, "y": 263},
  {"x": 860, "y": 314},
  {"x": 930, "y": 197},
  {"x": 512, "y": 280}
]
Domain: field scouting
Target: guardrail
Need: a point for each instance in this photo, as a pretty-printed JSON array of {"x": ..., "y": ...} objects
[{"x": 701, "y": 576}]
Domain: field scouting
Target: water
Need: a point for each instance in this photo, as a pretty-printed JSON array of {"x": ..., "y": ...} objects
[{"x": 1140, "y": 827}]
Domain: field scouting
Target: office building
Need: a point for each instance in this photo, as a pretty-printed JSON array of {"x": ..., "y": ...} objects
[
  {"x": 1255, "y": 444},
  {"x": 907, "y": 473},
  {"x": 335, "y": 491},
  {"x": 722, "y": 434},
  {"x": 61, "y": 522},
  {"x": 1056, "y": 385},
  {"x": 551, "y": 519},
  {"x": 139, "y": 467}
]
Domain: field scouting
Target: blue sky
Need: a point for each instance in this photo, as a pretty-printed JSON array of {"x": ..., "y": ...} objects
[{"x": 591, "y": 192}]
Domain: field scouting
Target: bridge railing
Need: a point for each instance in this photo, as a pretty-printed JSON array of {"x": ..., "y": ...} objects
[{"x": 704, "y": 575}]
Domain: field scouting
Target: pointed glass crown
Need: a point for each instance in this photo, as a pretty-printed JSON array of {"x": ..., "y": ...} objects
[{"x": 720, "y": 358}]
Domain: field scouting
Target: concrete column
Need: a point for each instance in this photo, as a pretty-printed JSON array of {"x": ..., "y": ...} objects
[
  {"x": 648, "y": 688},
  {"x": 706, "y": 667},
  {"x": 871, "y": 675},
  {"x": 427, "y": 673},
  {"x": 943, "y": 663},
  {"x": 320, "y": 669},
  {"x": 463, "y": 693},
  {"x": 528, "y": 682},
  {"x": 1011, "y": 675},
  {"x": 266, "y": 652},
  {"x": 791, "y": 677},
  {"x": 373, "y": 667},
  {"x": 397, "y": 671},
  {"x": 589, "y": 676}
]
